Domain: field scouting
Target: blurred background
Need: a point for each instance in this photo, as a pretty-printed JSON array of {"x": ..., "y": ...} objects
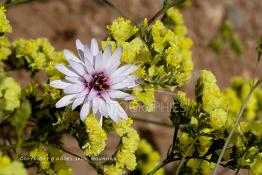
[{"x": 62, "y": 21}]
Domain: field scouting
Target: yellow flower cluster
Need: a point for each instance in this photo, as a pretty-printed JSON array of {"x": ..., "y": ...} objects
[
  {"x": 121, "y": 29},
  {"x": 39, "y": 54},
  {"x": 8, "y": 167},
  {"x": 5, "y": 26},
  {"x": 162, "y": 52},
  {"x": 125, "y": 155},
  {"x": 35, "y": 52},
  {"x": 54, "y": 166},
  {"x": 148, "y": 158},
  {"x": 10, "y": 93},
  {"x": 96, "y": 141}
]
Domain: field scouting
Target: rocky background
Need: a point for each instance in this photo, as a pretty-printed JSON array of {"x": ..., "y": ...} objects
[{"x": 62, "y": 21}]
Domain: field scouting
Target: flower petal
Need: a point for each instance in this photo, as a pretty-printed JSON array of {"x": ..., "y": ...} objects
[
  {"x": 107, "y": 54},
  {"x": 123, "y": 85},
  {"x": 117, "y": 79},
  {"x": 124, "y": 70},
  {"x": 64, "y": 101},
  {"x": 83, "y": 93},
  {"x": 98, "y": 61},
  {"x": 77, "y": 102},
  {"x": 88, "y": 55},
  {"x": 92, "y": 94},
  {"x": 94, "y": 47},
  {"x": 84, "y": 110},
  {"x": 89, "y": 66},
  {"x": 117, "y": 54},
  {"x": 114, "y": 61},
  {"x": 112, "y": 112},
  {"x": 65, "y": 70},
  {"x": 70, "y": 56},
  {"x": 59, "y": 84},
  {"x": 74, "y": 88},
  {"x": 75, "y": 79},
  {"x": 79, "y": 68},
  {"x": 121, "y": 95},
  {"x": 80, "y": 49},
  {"x": 121, "y": 112}
]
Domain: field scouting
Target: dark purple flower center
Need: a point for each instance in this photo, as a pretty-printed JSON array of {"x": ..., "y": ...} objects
[{"x": 99, "y": 82}]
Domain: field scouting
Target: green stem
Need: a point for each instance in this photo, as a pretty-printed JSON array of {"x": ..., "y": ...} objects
[
  {"x": 164, "y": 9},
  {"x": 152, "y": 122}
]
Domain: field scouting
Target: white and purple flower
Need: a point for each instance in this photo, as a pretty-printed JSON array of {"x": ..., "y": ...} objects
[{"x": 95, "y": 81}]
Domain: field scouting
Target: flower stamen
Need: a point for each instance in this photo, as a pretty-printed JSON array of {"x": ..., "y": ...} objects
[{"x": 99, "y": 82}]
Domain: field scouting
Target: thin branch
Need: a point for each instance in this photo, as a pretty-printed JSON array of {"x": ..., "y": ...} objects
[{"x": 185, "y": 156}]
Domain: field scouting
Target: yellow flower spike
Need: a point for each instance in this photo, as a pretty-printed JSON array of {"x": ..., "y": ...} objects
[
  {"x": 212, "y": 99},
  {"x": 125, "y": 156},
  {"x": 96, "y": 141}
]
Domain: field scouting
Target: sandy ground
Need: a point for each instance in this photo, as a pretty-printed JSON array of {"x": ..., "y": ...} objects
[{"x": 62, "y": 21}]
